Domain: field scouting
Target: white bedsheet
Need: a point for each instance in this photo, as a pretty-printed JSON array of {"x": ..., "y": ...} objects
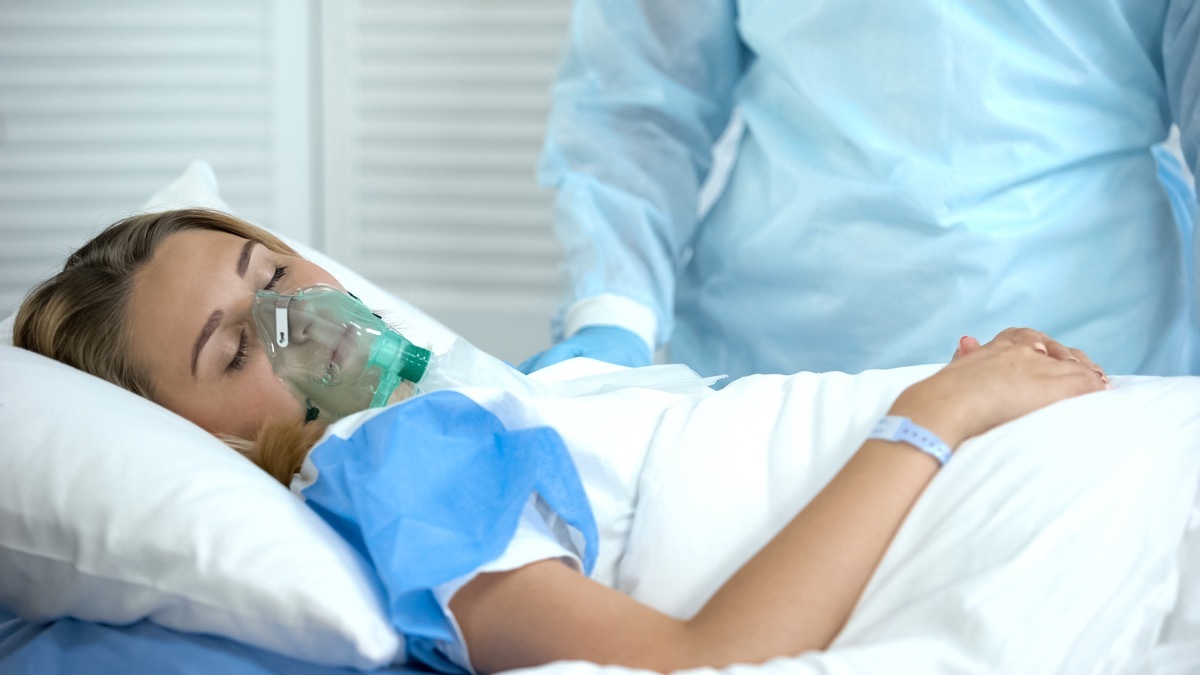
[{"x": 1048, "y": 545}]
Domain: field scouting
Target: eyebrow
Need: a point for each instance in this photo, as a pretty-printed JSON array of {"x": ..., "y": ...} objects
[
  {"x": 210, "y": 327},
  {"x": 214, "y": 319},
  {"x": 244, "y": 259}
]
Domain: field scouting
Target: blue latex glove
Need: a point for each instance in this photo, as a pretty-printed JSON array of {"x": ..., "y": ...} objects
[{"x": 603, "y": 343}]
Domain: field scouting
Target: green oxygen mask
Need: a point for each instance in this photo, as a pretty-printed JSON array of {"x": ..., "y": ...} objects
[{"x": 333, "y": 352}]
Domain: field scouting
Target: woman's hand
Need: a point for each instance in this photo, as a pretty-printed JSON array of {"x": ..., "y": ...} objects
[
  {"x": 1019, "y": 371},
  {"x": 1036, "y": 339}
]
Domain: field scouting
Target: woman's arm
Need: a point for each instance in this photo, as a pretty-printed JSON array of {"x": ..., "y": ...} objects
[{"x": 798, "y": 591}]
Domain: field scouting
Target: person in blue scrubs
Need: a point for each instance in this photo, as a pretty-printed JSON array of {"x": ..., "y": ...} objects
[{"x": 907, "y": 173}]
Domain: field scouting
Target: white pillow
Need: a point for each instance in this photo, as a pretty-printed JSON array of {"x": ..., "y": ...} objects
[{"x": 113, "y": 509}]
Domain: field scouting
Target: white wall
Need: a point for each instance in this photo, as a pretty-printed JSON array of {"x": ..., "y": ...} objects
[{"x": 400, "y": 136}]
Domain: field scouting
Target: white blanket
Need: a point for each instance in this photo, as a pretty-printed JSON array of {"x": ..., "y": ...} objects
[{"x": 1048, "y": 545}]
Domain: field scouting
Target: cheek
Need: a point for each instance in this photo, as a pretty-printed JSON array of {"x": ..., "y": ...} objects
[
  {"x": 238, "y": 405},
  {"x": 261, "y": 396}
]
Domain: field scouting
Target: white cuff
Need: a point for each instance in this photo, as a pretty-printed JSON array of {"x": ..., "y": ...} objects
[{"x": 612, "y": 310}]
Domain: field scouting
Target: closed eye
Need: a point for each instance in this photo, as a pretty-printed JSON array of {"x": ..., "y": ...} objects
[
  {"x": 280, "y": 270},
  {"x": 239, "y": 359}
]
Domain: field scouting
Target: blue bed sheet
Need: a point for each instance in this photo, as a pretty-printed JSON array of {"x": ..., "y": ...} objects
[{"x": 70, "y": 646}]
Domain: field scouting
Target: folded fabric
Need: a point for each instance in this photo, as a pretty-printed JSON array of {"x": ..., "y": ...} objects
[
  {"x": 69, "y": 646},
  {"x": 431, "y": 489}
]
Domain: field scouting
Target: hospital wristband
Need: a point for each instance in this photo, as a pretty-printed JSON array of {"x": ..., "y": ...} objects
[{"x": 902, "y": 430}]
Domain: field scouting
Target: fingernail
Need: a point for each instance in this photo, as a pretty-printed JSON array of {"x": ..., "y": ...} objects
[{"x": 1040, "y": 348}]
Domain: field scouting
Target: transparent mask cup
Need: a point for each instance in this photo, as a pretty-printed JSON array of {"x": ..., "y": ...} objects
[{"x": 336, "y": 355}]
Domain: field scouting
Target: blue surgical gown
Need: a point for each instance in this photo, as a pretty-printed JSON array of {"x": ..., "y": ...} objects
[{"x": 909, "y": 172}]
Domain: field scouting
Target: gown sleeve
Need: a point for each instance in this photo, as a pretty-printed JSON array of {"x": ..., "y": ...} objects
[
  {"x": 1181, "y": 66},
  {"x": 644, "y": 91}
]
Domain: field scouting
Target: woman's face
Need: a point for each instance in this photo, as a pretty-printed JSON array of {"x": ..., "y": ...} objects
[{"x": 191, "y": 328}]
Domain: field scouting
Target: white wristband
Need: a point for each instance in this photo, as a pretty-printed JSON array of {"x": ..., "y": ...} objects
[{"x": 902, "y": 430}]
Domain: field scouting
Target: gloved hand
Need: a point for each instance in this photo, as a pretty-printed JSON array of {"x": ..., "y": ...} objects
[{"x": 603, "y": 343}]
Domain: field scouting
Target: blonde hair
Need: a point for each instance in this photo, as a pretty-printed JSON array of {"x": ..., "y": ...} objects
[
  {"x": 279, "y": 447},
  {"x": 78, "y": 316}
]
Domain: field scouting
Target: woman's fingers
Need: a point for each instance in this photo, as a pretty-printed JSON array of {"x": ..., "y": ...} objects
[
  {"x": 1044, "y": 344},
  {"x": 1087, "y": 361},
  {"x": 1040, "y": 342},
  {"x": 998, "y": 382},
  {"x": 1045, "y": 380},
  {"x": 966, "y": 345}
]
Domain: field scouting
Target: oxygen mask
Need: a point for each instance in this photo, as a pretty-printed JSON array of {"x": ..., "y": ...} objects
[{"x": 333, "y": 352}]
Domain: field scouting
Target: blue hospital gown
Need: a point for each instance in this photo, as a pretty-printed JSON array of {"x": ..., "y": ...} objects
[
  {"x": 437, "y": 489},
  {"x": 909, "y": 172}
]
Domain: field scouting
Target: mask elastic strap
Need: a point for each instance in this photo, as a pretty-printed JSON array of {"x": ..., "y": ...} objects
[{"x": 311, "y": 412}]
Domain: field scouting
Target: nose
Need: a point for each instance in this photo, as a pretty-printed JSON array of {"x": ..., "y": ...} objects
[
  {"x": 299, "y": 322},
  {"x": 282, "y": 319}
]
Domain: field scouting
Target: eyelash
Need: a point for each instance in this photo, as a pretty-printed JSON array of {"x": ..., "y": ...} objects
[
  {"x": 243, "y": 350},
  {"x": 239, "y": 359},
  {"x": 280, "y": 270}
]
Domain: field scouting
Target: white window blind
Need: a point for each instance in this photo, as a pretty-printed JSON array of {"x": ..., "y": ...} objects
[
  {"x": 401, "y": 136},
  {"x": 102, "y": 104},
  {"x": 434, "y": 112}
]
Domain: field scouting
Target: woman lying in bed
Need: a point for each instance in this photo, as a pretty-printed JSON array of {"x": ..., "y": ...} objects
[{"x": 162, "y": 305}]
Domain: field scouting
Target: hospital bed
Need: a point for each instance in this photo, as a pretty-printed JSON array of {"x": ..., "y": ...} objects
[{"x": 132, "y": 541}]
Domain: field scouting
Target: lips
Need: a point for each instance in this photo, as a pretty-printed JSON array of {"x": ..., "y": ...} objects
[{"x": 339, "y": 350}]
